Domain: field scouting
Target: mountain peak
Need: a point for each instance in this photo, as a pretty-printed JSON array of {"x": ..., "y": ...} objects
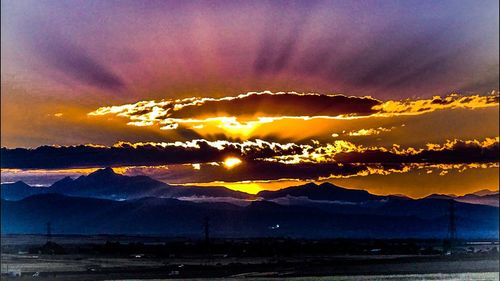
[
  {"x": 440, "y": 196},
  {"x": 328, "y": 185},
  {"x": 17, "y": 184},
  {"x": 323, "y": 185},
  {"x": 310, "y": 185},
  {"x": 104, "y": 172},
  {"x": 107, "y": 170},
  {"x": 21, "y": 183},
  {"x": 66, "y": 179},
  {"x": 263, "y": 205},
  {"x": 324, "y": 191},
  {"x": 484, "y": 192},
  {"x": 61, "y": 183}
]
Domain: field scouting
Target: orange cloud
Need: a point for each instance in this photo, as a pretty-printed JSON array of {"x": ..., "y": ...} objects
[
  {"x": 243, "y": 113},
  {"x": 415, "y": 107},
  {"x": 364, "y": 132}
]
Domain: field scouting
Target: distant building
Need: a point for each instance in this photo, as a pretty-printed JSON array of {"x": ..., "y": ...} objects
[{"x": 13, "y": 272}]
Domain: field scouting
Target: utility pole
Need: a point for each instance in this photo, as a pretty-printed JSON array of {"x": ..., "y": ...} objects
[
  {"x": 49, "y": 231},
  {"x": 206, "y": 232},
  {"x": 452, "y": 228},
  {"x": 206, "y": 228}
]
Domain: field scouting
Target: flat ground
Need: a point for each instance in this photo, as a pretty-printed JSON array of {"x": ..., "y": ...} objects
[
  {"x": 77, "y": 267},
  {"x": 125, "y": 257}
]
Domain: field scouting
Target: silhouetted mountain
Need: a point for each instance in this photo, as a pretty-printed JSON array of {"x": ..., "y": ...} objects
[
  {"x": 106, "y": 184},
  {"x": 440, "y": 196},
  {"x": 164, "y": 216},
  {"x": 484, "y": 192},
  {"x": 19, "y": 190},
  {"x": 482, "y": 197},
  {"x": 487, "y": 199},
  {"x": 324, "y": 191}
]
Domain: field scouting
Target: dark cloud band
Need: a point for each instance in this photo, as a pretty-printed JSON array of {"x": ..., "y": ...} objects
[
  {"x": 202, "y": 151},
  {"x": 267, "y": 106}
]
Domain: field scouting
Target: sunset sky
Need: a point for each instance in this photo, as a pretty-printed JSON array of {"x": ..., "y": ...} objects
[{"x": 394, "y": 97}]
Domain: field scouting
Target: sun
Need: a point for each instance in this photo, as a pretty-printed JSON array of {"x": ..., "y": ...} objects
[{"x": 230, "y": 162}]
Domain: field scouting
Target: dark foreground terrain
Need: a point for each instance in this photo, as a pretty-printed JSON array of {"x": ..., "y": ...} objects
[{"x": 124, "y": 257}]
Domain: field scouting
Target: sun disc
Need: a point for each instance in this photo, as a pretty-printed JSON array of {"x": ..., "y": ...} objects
[{"x": 230, "y": 162}]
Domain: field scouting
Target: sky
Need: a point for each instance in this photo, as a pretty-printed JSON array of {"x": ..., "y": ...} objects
[{"x": 395, "y": 97}]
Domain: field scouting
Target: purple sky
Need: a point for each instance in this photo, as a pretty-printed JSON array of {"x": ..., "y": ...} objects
[{"x": 134, "y": 50}]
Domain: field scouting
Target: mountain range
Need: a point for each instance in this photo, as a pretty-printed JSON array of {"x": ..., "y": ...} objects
[
  {"x": 106, "y": 184},
  {"x": 108, "y": 203},
  {"x": 482, "y": 197}
]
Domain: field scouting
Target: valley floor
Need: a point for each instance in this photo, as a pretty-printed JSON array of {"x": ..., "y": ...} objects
[
  {"x": 139, "y": 258},
  {"x": 77, "y": 267}
]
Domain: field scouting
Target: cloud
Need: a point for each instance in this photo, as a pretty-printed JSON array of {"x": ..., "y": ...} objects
[
  {"x": 81, "y": 66},
  {"x": 74, "y": 61},
  {"x": 253, "y": 106},
  {"x": 456, "y": 151},
  {"x": 256, "y": 153},
  {"x": 278, "y": 45},
  {"x": 259, "y": 172},
  {"x": 247, "y": 110},
  {"x": 453, "y": 101},
  {"x": 390, "y": 49},
  {"x": 411, "y": 52},
  {"x": 132, "y": 154},
  {"x": 364, "y": 132}
]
